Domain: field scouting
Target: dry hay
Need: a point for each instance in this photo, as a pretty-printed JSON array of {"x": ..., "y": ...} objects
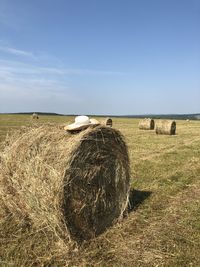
[
  {"x": 62, "y": 186},
  {"x": 35, "y": 116},
  {"x": 108, "y": 122},
  {"x": 147, "y": 124},
  {"x": 166, "y": 127}
]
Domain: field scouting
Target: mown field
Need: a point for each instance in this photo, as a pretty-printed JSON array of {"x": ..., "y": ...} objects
[{"x": 163, "y": 226}]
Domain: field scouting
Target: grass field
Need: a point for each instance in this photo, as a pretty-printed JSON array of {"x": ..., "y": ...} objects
[{"x": 163, "y": 226}]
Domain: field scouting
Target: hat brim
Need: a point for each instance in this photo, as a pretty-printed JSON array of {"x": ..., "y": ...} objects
[
  {"x": 77, "y": 127},
  {"x": 74, "y": 126},
  {"x": 94, "y": 122}
]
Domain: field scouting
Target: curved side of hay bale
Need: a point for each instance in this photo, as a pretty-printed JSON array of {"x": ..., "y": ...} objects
[
  {"x": 108, "y": 122},
  {"x": 167, "y": 127},
  {"x": 147, "y": 124},
  {"x": 104, "y": 187},
  {"x": 76, "y": 185}
]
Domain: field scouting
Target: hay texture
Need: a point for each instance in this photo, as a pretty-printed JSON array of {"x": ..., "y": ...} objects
[
  {"x": 108, "y": 122},
  {"x": 167, "y": 127},
  {"x": 147, "y": 124},
  {"x": 72, "y": 185}
]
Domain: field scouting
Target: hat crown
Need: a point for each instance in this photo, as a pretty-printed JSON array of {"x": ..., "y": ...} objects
[{"x": 82, "y": 120}]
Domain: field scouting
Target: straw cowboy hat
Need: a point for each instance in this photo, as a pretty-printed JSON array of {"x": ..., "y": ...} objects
[{"x": 81, "y": 122}]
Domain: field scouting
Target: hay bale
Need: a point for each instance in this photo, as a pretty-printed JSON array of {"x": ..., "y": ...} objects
[
  {"x": 147, "y": 124},
  {"x": 108, "y": 122},
  {"x": 72, "y": 185},
  {"x": 35, "y": 116},
  {"x": 166, "y": 127}
]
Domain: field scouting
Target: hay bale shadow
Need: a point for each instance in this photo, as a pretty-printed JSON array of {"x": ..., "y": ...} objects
[{"x": 136, "y": 198}]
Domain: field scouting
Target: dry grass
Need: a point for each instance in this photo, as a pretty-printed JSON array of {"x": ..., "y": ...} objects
[{"x": 162, "y": 228}]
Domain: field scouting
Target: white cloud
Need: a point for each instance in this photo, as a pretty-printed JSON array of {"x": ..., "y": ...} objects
[
  {"x": 16, "y": 52},
  {"x": 40, "y": 95},
  {"x": 28, "y": 68},
  {"x": 28, "y": 85}
]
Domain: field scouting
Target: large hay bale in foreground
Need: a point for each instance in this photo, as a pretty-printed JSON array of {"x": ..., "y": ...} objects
[
  {"x": 74, "y": 185},
  {"x": 108, "y": 122},
  {"x": 146, "y": 124},
  {"x": 166, "y": 127}
]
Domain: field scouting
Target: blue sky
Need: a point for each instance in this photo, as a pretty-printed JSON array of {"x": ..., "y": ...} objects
[{"x": 100, "y": 56}]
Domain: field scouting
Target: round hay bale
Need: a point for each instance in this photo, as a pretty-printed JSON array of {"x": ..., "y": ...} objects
[
  {"x": 147, "y": 124},
  {"x": 166, "y": 127},
  {"x": 35, "y": 116},
  {"x": 108, "y": 122},
  {"x": 75, "y": 185}
]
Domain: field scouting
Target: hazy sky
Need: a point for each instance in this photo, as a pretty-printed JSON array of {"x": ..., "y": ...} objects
[{"x": 100, "y": 56}]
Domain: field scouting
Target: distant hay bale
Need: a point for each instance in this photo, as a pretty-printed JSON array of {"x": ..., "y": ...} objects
[
  {"x": 74, "y": 186},
  {"x": 108, "y": 122},
  {"x": 146, "y": 124},
  {"x": 35, "y": 116},
  {"x": 166, "y": 127}
]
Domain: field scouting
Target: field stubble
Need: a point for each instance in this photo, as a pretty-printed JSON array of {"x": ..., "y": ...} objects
[{"x": 163, "y": 227}]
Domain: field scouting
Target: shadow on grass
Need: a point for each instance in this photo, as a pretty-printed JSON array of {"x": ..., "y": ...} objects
[{"x": 136, "y": 198}]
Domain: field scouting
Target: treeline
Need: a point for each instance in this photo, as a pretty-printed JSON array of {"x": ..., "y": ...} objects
[
  {"x": 169, "y": 116},
  {"x": 153, "y": 116}
]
